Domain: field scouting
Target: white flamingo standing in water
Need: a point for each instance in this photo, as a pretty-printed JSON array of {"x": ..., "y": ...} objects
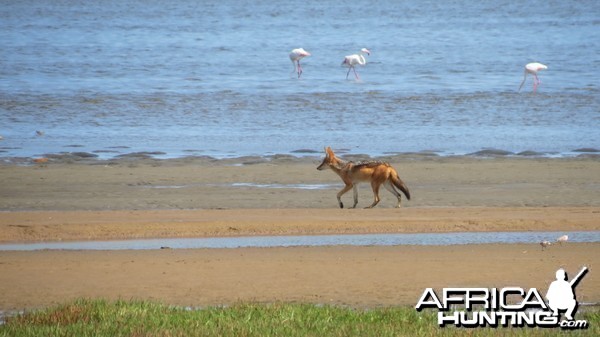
[
  {"x": 533, "y": 68},
  {"x": 295, "y": 56},
  {"x": 351, "y": 61}
]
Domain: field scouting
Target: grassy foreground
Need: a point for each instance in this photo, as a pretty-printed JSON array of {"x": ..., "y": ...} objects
[{"x": 137, "y": 318}]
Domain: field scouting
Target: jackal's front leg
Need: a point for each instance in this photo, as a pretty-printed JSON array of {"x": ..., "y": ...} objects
[
  {"x": 339, "y": 195},
  {"x": 355, "y": 194},
  {"x": 376, "y": 199}
]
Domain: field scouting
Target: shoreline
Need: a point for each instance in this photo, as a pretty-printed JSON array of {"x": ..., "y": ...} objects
[{"x": 300, "y": 155}]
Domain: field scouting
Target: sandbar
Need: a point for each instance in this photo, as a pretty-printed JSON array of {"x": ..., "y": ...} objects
[{"x": 196, "y": 197}]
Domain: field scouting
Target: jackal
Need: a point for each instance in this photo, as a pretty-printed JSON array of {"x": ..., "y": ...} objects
[{"x": 376, "y": 172}]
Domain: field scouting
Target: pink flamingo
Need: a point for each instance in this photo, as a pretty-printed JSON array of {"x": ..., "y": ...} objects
[
  {"x": 533, "y": 68},
  {"x": 351, "y": 61},
  {"x": 295, "y": 56}
]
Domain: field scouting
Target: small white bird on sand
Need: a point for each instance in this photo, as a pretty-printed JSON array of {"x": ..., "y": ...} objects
[
  {"x": 545, "y": 243},
  {"x": 351, "y": 61},
  {"x": 295, "y": 56},
  {"x": 533, "y": 68},
  {"x": 562, "y": 239}
]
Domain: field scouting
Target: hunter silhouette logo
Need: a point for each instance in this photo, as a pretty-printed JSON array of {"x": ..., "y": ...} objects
[
  {"x": 508, "y": 306},
  {"x": 561, "y": 294}
]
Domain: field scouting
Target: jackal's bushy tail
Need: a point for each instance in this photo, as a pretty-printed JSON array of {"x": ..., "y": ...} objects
[{"x": 400, "y": 184}]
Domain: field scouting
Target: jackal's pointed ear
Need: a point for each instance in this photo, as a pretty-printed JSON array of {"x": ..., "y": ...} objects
[{"x": 329, "y": 152}]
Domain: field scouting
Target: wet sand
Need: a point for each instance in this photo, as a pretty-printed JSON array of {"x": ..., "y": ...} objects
[
  {"x": 343, "y": 275},
  {"x": 36, "y": 226},
  {"x": 100, "y": 200},
  {"x": 246, "y": 183}
]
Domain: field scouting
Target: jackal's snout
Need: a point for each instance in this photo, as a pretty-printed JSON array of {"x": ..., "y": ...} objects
[
  {"x": 323, "y": 165},
  {"x": 327, "y": 160}
]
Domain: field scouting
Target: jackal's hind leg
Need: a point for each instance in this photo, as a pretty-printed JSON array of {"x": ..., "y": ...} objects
[
  {"x": 388, "y": 186},
  {"x": 340, "y": 193}
]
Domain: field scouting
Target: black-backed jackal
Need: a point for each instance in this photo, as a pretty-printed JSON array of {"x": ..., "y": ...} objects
[{"x": 376, "y": 172}]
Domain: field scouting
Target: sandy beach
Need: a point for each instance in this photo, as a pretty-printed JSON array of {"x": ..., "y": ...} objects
[
  {"x": 200, "y": 197},
  {"x": 355, "y": 276}
]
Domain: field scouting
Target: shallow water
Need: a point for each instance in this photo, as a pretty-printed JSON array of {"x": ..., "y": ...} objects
[
  {"x": 213, "y": 77},
  {"x": 313, "y": 240}
]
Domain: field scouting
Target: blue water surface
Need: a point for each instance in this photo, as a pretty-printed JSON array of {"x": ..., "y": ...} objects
[
  {"x": 188, "y": 77},
  {"x": 386, "y": 239}
]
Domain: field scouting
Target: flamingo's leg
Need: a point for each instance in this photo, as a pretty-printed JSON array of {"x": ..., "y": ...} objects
[
  {"x": 294, "y": 63},
  {"x": 299, "y": 69},
  {"x": 355, "y": 74},
  {"x": 523, "y": 82},
  {"x": 348, "y": 73}
]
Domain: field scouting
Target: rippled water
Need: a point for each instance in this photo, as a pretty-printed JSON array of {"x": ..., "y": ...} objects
[{"x": 213, "y": 78}]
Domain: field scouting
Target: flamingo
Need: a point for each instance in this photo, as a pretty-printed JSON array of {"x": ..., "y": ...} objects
[
  {"x": 533, "y": 68},
  {"x": 562, "y": 239},
  {"x": 351, "y": 61},
  {"x": 295, "y": 56}
]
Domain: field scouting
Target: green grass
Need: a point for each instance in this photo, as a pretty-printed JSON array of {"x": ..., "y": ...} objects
[{"x": 137, "y": 318}]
